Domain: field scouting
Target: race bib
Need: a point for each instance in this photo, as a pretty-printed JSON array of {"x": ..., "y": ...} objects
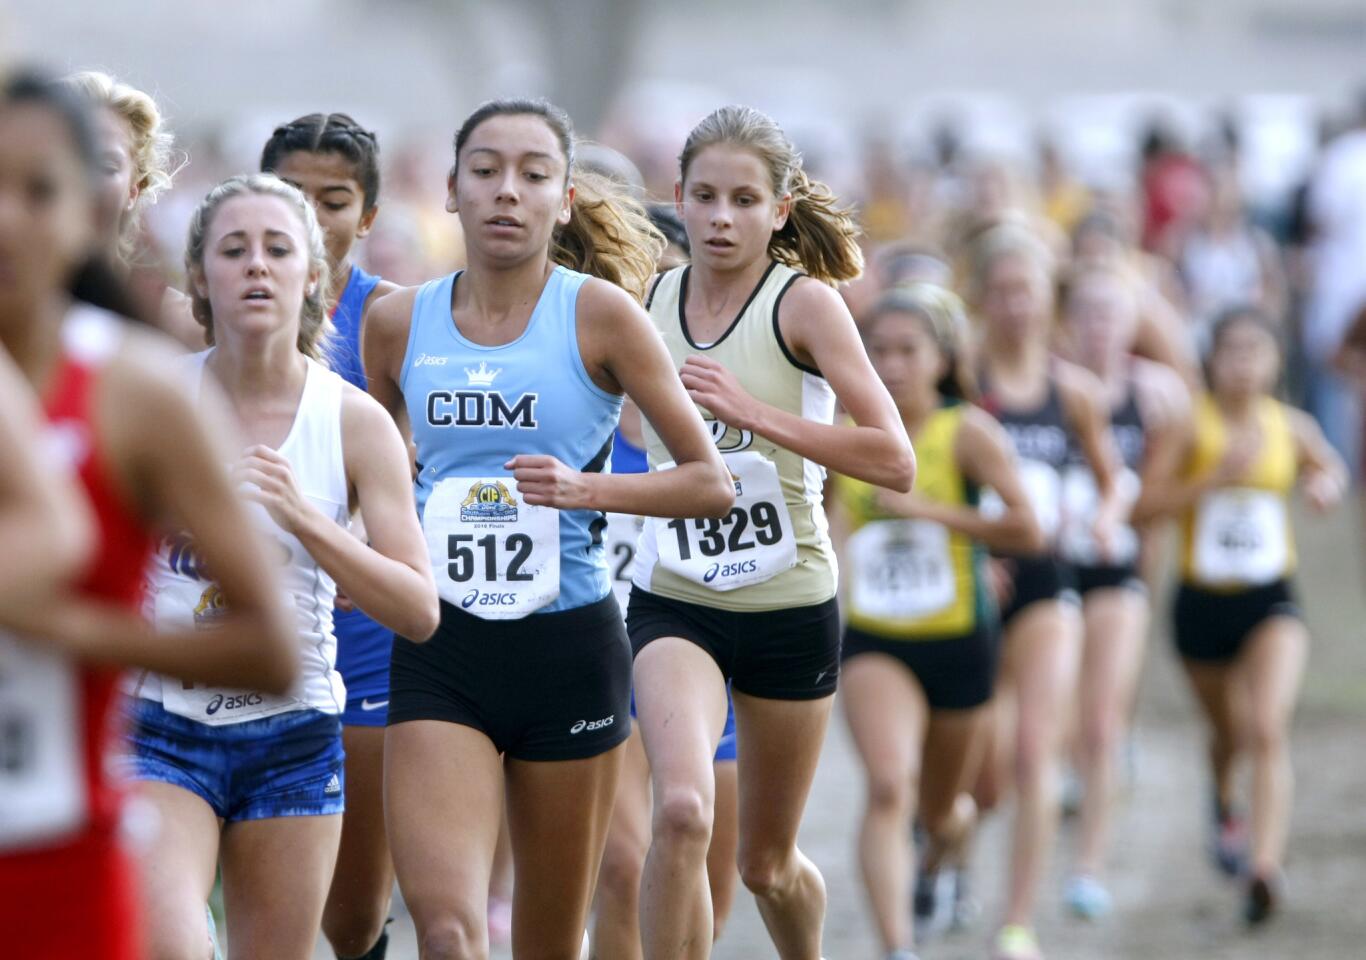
[
  {"x": 623, "y": 534},
  {"x": 1042, "y": 487},
  {"x": 1241, "y": 537},
  {"x": 43, "y": 794},
  {"x": 751, "y": 544},
  {"x": 1080, "y": 500},
  {"x": 493, "y": 554},
  {"x": 193, "y": 600},
  {"x": 901, "y": 570}
]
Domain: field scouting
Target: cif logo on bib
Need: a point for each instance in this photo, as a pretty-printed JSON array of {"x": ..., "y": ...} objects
[
  {"x": 211, "y": 608},
  {"x": 489, "y": 501}
]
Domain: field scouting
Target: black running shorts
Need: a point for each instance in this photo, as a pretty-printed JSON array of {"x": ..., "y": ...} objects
[
  {"x": 1106, "y": 577},
  {"x": 550, "y": 686},
  {"x": 1213, "y": 626},
  {"x": 1036, "y": 578},
  {"x": 791, "y": 654},
  {"x": 957, "y": 673}
]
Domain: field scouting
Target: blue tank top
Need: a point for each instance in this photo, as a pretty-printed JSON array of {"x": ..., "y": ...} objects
[
  {"x": 345, "y": 357},
  {"x": 474, "y": 407}
]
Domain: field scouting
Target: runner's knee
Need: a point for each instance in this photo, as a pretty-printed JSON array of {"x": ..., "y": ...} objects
[
  {"x": 683, "y": 816},
  {"x": 623, "y": 862},
  {"x": 890, "y": 793},
  {"x": 453, "y": 937}
]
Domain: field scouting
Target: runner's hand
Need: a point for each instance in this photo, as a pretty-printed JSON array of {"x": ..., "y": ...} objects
[
  {"x": 544, "y": 481},
  {"x": 912, "y": 506},
  {"x": 265, "y": 477},
  {"x": 713, "y": 387},
  {"x": 1322, "y": 491}
]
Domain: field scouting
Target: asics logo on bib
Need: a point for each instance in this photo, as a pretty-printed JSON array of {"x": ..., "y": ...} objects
[
  {"x": 427, "y": 360},
  {"x": 591, "y": 725},
  {"x": 729, "y": 570},
  {"x": 479, "y": 598},
  {"x": 237, "y": 702},
  {"x": 480, "y": 408},
  {"x": 729, "y": 439}
]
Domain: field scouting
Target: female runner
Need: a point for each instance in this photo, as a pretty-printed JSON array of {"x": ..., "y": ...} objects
[
  {"x": 136, "y": 156},
  {"x": 236, "y": 775},
  {"x": 1239, "y": 629},
  {"x": 1100, "y": 319},
  {"x": 765, "y": 346},
  {"x": 921, "y": 646},
  {"x": 509, "y": 375},
  {"x": 1046, "y": 405}
]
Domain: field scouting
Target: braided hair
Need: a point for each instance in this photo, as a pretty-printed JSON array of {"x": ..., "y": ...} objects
[{"x": 329, "y": 133}]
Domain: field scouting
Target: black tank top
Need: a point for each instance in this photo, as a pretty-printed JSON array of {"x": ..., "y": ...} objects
[
  {"x": 1126, "y": 425},
  {"x": 1041, "y": 433}
]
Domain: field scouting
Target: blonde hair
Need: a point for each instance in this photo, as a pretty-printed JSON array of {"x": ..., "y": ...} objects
[
  {"x": 151, "y": 147},
  {"x": 1006, "y": 239},
  {"x": 609, "y": 234},
  {"x": 820, "y": 237},
  {"x": 315, "y": 324}
]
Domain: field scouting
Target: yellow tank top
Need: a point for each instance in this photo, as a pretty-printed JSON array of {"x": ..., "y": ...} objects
[
  {"x": 914, "y": 579},
  {"x": 773, "y": 551},
  {"x": 1239, "y": 535}
]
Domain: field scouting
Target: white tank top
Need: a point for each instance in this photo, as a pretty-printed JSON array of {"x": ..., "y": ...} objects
[{"x": 181, "y": 594}]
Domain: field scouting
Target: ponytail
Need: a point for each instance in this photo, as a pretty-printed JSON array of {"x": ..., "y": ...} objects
[
  {"x": 609, "y": 236},
  {"x": 820, "y": 237}
]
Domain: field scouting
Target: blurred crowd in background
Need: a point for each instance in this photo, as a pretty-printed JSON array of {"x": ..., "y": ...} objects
[{"x": 1194, "y": 206}]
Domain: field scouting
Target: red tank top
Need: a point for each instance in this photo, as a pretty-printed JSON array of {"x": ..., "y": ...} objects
[{"x": 67, "y": 853}]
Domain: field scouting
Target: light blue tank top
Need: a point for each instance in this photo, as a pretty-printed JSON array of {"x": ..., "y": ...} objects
[{"x": 473, "y": 408}]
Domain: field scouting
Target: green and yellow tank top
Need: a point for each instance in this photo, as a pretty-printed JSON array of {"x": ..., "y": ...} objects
[
  {"x": 1239, "y": 535},
  {"x": 915, "y": 579},
  {"x": 773, "y": 550}
]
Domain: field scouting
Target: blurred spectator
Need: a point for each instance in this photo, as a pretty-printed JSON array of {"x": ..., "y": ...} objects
[
  {"x": 1224, "y": 260},
  {"x": 1065, "y": 198},
  {"x": 1172, "y": 183},
  {"x": 1337, "y": 285}
]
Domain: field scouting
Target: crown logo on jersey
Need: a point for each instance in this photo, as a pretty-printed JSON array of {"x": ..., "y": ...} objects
[{"x": 482, "y": 376}]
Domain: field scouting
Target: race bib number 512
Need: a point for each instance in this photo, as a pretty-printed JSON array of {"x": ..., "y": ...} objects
[{"x": 493, "y": 555}]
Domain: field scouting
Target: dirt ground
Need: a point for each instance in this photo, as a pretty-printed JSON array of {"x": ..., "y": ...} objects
[{"x": 1170, "y": 904}]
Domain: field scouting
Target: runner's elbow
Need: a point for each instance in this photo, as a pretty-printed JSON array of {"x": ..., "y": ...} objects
[
  {"x": 900, "y": 467},
  {"x": 718, "y": 496},
  {"x": 424, "y": 618}
]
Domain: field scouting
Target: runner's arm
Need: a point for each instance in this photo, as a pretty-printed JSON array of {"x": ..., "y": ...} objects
[
  {"x": 1323, "y": 476},
  {"x": 618, "y": 341},
  {"x": 384, "y": 341},
  {"x": 173, "y": 456},
  {"x": 817, "y": 327}
]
